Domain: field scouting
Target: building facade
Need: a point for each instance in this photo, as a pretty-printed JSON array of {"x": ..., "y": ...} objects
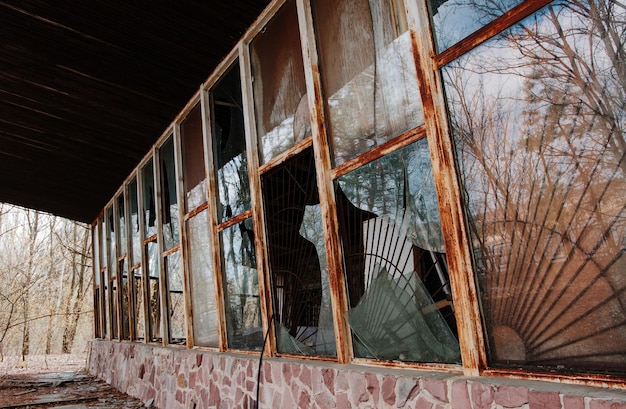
[{"x": 391, "y": 204}]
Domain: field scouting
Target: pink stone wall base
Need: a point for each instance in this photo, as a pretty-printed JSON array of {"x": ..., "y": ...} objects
[{"x": 179, "y": 378}]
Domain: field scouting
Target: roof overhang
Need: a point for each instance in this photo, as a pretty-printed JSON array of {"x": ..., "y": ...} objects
[{"x": 87, "y": 87}]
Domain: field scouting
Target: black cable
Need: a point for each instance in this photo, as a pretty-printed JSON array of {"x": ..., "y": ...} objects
[{"x": 258, "y": 376}]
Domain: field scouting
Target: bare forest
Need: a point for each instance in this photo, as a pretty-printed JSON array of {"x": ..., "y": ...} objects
[{"x": 45, "y": 284}]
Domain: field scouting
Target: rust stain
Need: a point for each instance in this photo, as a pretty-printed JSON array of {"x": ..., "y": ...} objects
[{"x": 235, "y": 220}]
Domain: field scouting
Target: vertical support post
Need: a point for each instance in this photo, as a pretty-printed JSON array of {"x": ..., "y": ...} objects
[
  {"x": 453, "y": 226},
  {"x": 158, "y": 187},
  {"x": 209, "y": 162},
  {"x": 182, "y": 232},
  {"x": 323, "y": 166},
  {"x": 252, "y": 149}
]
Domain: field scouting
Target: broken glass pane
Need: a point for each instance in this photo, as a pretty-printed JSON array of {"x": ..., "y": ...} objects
[
  {"x": 194, "y": 174},
  {"x": 121, "y": 226},
  {"x": 176, "y": 298},
  {"x": 241, "y": 287},
  {"x": 140, "y": 326},
  {"x": 230, "y": 146},
  {"x": 125, "y": 307},
  {"x": 368, "y": 73},
  {"x": 398, "y": 286},
  {"x": 169, "y": 195},
  {"x": 154, "y": 306},
  {"x": 297, "y": 256},
  {"x": 135, "y": 238},
  {"x": 149, "y": 195},
  {"x": 280, "y": 101}
]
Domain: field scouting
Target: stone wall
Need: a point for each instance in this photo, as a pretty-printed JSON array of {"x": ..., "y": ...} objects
[{"x": 174, "y": 378}]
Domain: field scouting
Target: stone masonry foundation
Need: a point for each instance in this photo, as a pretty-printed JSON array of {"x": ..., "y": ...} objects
[{"x": 175, "y": 378}]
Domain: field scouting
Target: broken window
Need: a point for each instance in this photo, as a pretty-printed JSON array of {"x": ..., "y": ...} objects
[
  {"x": 135, "y": 257},
  {"x": 122, "y": 262},
  {"x": 297, "y": 258},
  {"x": 97, "y": 282},
  {"x": 238, "y": 261},
  {"x": 203, "y": 302},
  {"x": 241, "y": 287},
  {"x": 280, "y": 100},
  {"x": 368, "y": 73},
  {"x": 171, "y": 257},
  {"x": 112, "y": 272},
  {"x": 230, "y": 146},
  {"x": 194, "y": 174},
  {"x": 396, "y": 275},
  {"x": 104, "y": 278},
  {"x": 169, "y": 195},
  {"x": 151, "y": 252},
  {"x": 538, "y": 117}
]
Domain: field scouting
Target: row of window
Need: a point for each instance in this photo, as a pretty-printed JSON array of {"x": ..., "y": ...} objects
[{"x": 320, "y": 188}]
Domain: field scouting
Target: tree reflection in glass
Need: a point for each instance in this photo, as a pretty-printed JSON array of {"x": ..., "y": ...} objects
[
  {"x": 454, "y": 20},
  {"x": 538, "y": 116},
  {"x": 241, "y": 287},
  {"x": 230, "y": 146}
]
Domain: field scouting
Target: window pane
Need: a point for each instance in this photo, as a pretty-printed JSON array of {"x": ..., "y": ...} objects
[
  {"x": 96, "y": 312},
  {"x": 368, "y": 73},
  {"x": 103, "y": 242},
  {"x": 176, "y": 299},
  {"x": 230, "y": 146},
  {"x": 121, "y": 226},
  {"x": 106, "y": 317},
  {"x": 154, "y": 308},
  {"x": 400, "y": 301},
  {"x": 110, "y": 235},
  {"x": 193, "y": 159},
  {"x": 140, "y": 326},
  {"x": 280, "y": 101},
  {"x": 149, "y": 209},
  {"x": 202, "y": 282},
  {"x": 169, "y": 195},
  {"x": 453, "y": 20},
  {"x": 241, "y": 287},
  {"x": 114, "y": 309},
  {"x": 297, "y": 256},
  {"x": 96, "y": 251},
  {"x": 125, "y": 307},
  {"x": 538, "y": 116},
  {"x": 135, "y": 237}
]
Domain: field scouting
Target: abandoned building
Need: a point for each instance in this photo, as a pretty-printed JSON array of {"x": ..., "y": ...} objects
[{"x": 394, "y": 203}]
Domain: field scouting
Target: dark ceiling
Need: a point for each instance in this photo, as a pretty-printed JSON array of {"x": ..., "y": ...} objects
[{"x": 86, "y": 88}]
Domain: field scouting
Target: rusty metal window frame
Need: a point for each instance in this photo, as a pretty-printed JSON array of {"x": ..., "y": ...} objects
[
  {"x": 435, "y": 129},
  {"x": 132, "y": 288},
  {"x": 121, "y": 259}
]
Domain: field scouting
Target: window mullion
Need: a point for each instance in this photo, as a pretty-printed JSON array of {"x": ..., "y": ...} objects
[
  {"x": 463, "y": 285},
  {"x": 323, "y": 167},
  {"x": 211, "y": 177},
  {"x": 265, "y": 296}
]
